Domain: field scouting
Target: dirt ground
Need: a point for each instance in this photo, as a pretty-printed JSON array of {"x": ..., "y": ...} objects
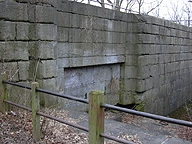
[{"x": 16, "y": 127}]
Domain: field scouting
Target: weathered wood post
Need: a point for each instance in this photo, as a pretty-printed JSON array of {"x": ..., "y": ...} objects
[
  {"x": 35, "y": 108},
  {"x": 96, "y": 117},
  {"x": 3, "y": 93}
]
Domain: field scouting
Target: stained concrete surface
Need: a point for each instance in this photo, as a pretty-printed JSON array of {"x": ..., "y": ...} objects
[{"x": 145, "y": 131}]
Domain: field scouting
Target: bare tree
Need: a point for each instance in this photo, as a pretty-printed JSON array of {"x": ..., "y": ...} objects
[
  {"x": 187, "y": 11},
  {"x": 175, "y": 12},
  {"x": 129, "y": 5},
  {"x": 102, "y": 3},
  {"x": 180, "y": 12},
  {"x": 140, "y": 4},
  {"x": 125, "y": 5},
  {"x": 155, "y": 6}
]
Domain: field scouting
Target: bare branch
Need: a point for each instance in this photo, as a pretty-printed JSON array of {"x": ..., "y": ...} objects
[{"x": 155, "y": 7}]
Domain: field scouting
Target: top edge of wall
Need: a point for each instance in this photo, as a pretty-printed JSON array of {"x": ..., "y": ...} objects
[{"x": 95, "y": 11}]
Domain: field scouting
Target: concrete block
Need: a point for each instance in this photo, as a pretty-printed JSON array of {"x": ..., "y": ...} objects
[
  {"x": 11, "y": 69},
  {"x": 13, "y": 11},
  {"x": 142, "y": 61},
  {"x": 152, "y": 59},
  {"x": 117, "y": 15},
  {"x": 88, "y": 61},
  {"x": 80, "y": 8},
  {"x": 161, "y": 68},
  {"x": 112, "y": 49},
  {"x": 120, "y": 26},
  {"x": 47, "y": 69},
  {"x": 142, "y": 49},
  {"x": 167, "y": 23},
  {"x": 42, "y": 14},
  {"x": 127, "y": 97},
  {"x": 108, "y": 37},
  {"x": 143, "y": 72},
  {"x": 99, "y": 49},
  {"x": 174, "y": 32},
  {"x": 156, "y": 81},
  {"x": 63, "y": 19},
  {"x": 162, "y": 31},
  {"x": 97, "y": 23},
  {"x": 157, "y": 21},
  {"x": 161, "y": 58},
  {"x": 144, "y": 38},
  {"x": 150, "y": 49},
  {"x": 22, "y": 30},
  {"x": 141, "y": 85},
  {"x": 32, "y": 31},
  {"x": 158, "y": 49},
  {"x": 20, "y": 95},
  {"x": 60, "y": 79},
  {"x": 130, "y": 84},
  {"x": 46, "y": 32},
  {"x": 50, "y": 85},
  {"x": 47, "y": 50},
  {"x": 49, "y": 3},
  {"x": 23, "y": 70},
  {"x": 131, "y": 60},
  {"x": 144, "y": 28},
  {"x": 132, "y": 49},
  {"x": 161, "y": 80},
  {"x": 42, "y": 50},
  {"x": 131, "y": 72},
  {"x": 73, "y": 50},
  {"x": 62, "y": 34},
  {"x": 11, "y": 51},
  {"x": 167, "y": 31},
  {"x": 63, "y": 5},
  {"x": 132, "y": 18},
  {"x": 132, "y": 38},
  {"x": 76, "y": 20},
  {"x": 7, "y": 30},
  {"x": 82, "y": 35},
  {"x": 108, "y": 25},
  {"x": 149, "y": 83},
  {"x": 167, "y": 58},
  {"x": 155, "y": 29},
  {"x": 130, "y": 28},
  {"x": 153, "y": 70}
]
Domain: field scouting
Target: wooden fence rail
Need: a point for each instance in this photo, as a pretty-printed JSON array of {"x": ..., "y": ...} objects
[{"x": 96, "y": 112}]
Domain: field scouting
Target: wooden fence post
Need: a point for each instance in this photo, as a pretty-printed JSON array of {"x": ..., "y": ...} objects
[
  {"x": 3, "y": 93},
  {"x": 35, "y": 108},
  {"x": 96, "y": 117}
]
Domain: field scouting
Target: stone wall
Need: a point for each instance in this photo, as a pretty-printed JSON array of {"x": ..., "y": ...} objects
[
  {"x": 73, "y": 48},
  {"x": 164, "y": 70}
]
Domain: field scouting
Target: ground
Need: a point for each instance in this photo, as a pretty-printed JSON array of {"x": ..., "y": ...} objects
[{"x": 16, "y": 127}]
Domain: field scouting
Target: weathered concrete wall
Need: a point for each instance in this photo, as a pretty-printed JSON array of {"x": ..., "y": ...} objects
[
  {"x": 74, "y": 48},
  {"x": 28, "y": 38},
  {"x": 164, "y": 64}
]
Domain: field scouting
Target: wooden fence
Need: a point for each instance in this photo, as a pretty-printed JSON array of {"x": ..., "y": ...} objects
[{"x": 96, "y": 112}]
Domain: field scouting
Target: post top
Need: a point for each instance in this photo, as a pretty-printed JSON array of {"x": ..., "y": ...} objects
[
  {"x": 97, "y": 92},
  {"x": 34, "y": 83}
]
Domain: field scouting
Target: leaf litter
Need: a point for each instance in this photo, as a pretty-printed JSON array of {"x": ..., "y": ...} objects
[{"x": 16, "y": 127}]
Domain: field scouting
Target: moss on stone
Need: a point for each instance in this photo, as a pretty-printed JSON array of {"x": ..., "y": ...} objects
[{"x": 140, "y": 107}]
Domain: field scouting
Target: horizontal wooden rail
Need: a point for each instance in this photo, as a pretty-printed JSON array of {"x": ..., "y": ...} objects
[
  {"x": 48, "y": 116},
  {"x": 48, "y": 92},
  {"x": 148, "y": 115},
  {"x": 115, "y": 138},
  {"x": 96, "y": 112}
]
